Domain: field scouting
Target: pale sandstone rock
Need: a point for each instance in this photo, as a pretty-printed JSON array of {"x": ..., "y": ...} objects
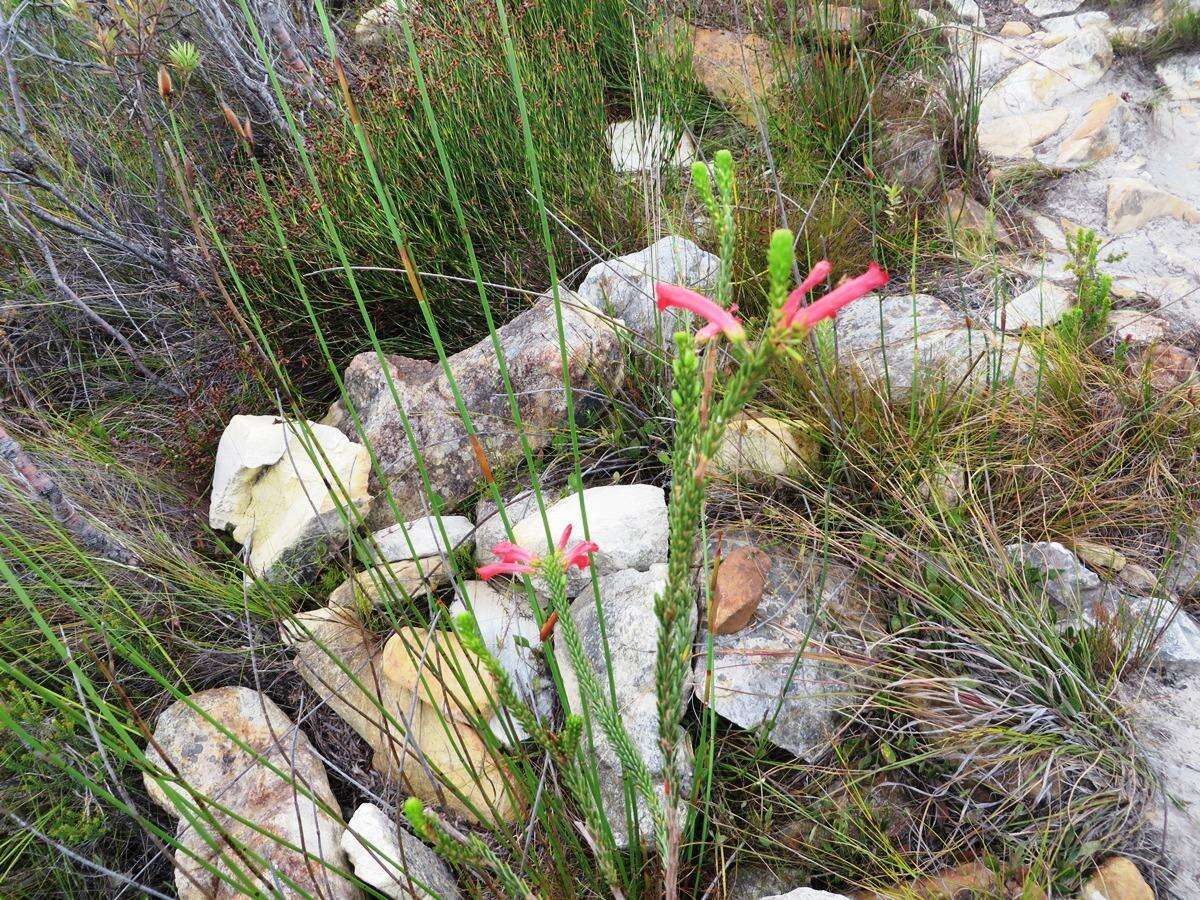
[
  {"x": 624, "y": 287},
  {"x": 1098, "y": 135},
  {"x": 627, "y": 600},
  {"x": 1132, "y": 202},
  {"x": 758, "y": 447},
  {"x": 765, "y": 672},
  {"x": 738, "y": 69},
  {"x": 1166, "y": 720},
  {"x": 391, "y": 582},
  {"x": 284, "y": 489},
  {"x": 1015, "y": 136},
  {"x": 1135, "y": 327},
  {"x": 899, "y": 342},
  {"x": 489, "y": 525},
  {"x": 807, "y": 893},
  {"x": 1099, "y": 556},
  {"x": 433, "y": 755},
  {"x": 378, "y": 23},
  {"x": 1077, "y": 63},
  {"x": 1181, "y": 75},
  {"x": 511, "y": 634},
  {"x": 627, "y": 521},
  {"x": 1043, "y": 8},
  {"x": 453, "y": 461},
  {"x": 441, "y": 671},
  {"x": 423, "y": 537},
  {"x": 1016, "y": 29},
  {"x": 646, "y": 146},
  {"x": 1042, "y": 305},
  {"x": 1063, "y": 26},
  {"x": 238, "y": 776},
  {"x": 393, "y": 861},
  {"x": 1116, "y": 879}
]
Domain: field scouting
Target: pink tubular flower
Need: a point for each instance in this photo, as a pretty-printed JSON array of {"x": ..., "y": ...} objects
[
  {"x": 828, "y": 306},
  {"x": 578, "y": 555},
  {"x": 508, "y": 552},
  {"x": 719, "y": 319},
  {"x": 491, "y": 570},
  {"x": 514, "y": 560},
  {"x": 818, "y": 274}
]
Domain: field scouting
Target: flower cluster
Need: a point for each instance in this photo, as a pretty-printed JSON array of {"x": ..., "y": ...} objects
[
  {"x": 791, "y": 314},
  {"x": 516, "y": 560}
]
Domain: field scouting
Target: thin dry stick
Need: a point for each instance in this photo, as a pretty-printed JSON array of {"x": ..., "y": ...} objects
[{"x": 64, "y": 511}]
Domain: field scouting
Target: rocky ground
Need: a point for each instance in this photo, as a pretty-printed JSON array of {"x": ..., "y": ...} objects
[{"x": 1059, "y": 90}]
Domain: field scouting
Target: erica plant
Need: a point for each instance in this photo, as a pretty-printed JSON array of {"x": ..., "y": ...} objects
[{"x": 704, "y": 400}]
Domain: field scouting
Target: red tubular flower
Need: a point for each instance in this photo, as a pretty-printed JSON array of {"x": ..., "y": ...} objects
[
  {"x": 818, "y": 274},
  {"x": 828, "y": 306},
  {"x": 719, "y": 319},
  {"x": 491, "y": 570},
  {"x": 508, "y": 552},
  {"x": 578, "y": 555},
  {"x": 566, "y": 536}
]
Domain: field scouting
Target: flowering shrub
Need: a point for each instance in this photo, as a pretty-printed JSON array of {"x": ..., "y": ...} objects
[{"x": 702, "y": 412}]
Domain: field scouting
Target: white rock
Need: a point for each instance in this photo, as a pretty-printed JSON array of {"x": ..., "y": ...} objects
[
  {"x": 1175, "y": 633},
  {"x": 902, "y": 341},
  {"x": 1132, "y": 202},
  {"x": 1097, "y": 136},
  {"x": 266, "y": 787},
  {"x": 1042, "y": 305},
  {"x": 1181, "y": 75},
  {"x": 628, "y": 521},
  {"x": 627, "y": 600},
  {"x": 1065, "y": 25},
  {"x": 1136, "y": 327},
  {"x": 965, "y": 11},
  {"x": 511, "y": 635},
  {"x": 489, "y": 525},
  {"x": 1049, "y": 230},
  {"x": 1167, "y": 725},
  {"x": 422, "y": 537},
  {"x": 1016, "y": 29},
  {"x": 646, "y": 146},
  {"x": 807, "y": 893},
  {"x": 394, "y": 862},
  {"x": 1043, "y": 8},
  {"x": 1077, "y": 63},
  {"x": 624, "y": 287},
  {"x": 271, "y": 484},
  {"x": 1057, "y": 573},
  {"x": 1015, "y": 136}
]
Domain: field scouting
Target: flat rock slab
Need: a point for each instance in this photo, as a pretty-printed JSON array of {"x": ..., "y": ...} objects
[
  {"x": 775, "y": 669},
  {"x": 263, "y": 772},
  {"x": 1167, "y": 723},
  {"x": 897, "y": 343},
  {"x": 511, "y": 634},
  {"x": 637, "y": 146},
  {"x": 427, "y": 536}
]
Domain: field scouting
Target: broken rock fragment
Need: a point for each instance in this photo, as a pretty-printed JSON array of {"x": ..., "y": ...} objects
[{"x": 288, "y": 491}]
